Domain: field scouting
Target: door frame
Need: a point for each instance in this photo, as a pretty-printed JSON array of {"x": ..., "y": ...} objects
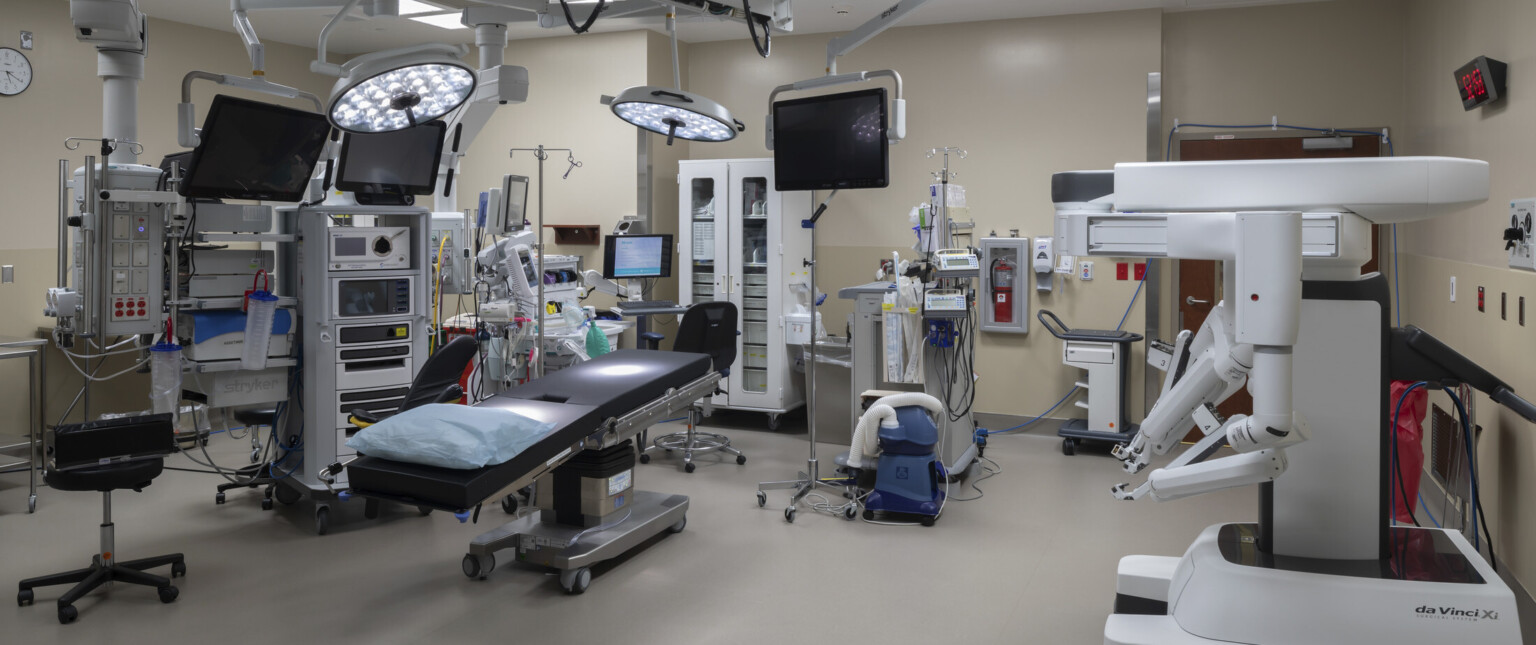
[{"x": 1173, "y": 155}]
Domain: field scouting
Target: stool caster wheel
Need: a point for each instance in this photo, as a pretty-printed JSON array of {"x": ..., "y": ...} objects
[
  {"x": 178, "y": 569},
  {"x": 168, "y": 594},
  {"x": 23, "y": 597},
  {"x": 869, "y": 515},
  {"x": 67, "y": 614},
  {"x": 689, "y": 467},
  {"x": 762, "y": 499},
  {"x": 266, "y": 503},
  {"x": 219, "y": 498},
  {"x": 509, "y": 504},
  {"x": 255, "y": 455},
  {"x": 850, "y": 513},
  {"x": 789, "y": 515},
  {"x": 927, "y": 521},
  {"x": 644, "y": 458},
  {"x": 576, "y": 581},
  {"x": 322, "y": 520},
  {"x": 478, "y": 567},
  {"x": 1069, "y": 447},
  {"x": 741, "y": 460}
]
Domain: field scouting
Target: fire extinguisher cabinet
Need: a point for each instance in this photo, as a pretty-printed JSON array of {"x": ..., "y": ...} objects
[{"x": 1004, "y": 263}]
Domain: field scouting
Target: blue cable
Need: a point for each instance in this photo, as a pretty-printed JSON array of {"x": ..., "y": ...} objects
[
  {"x": 1428, "y": 512},
  {"x": 1397, "y": 289},
  {"x": 1394, "y": 475},
  {"x": 1466, "y": 432}
]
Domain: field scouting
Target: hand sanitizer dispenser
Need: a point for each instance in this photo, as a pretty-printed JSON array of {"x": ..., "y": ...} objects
[{"x": 1044, "y": 263}]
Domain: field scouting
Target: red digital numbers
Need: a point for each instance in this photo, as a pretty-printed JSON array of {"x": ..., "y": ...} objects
[{"x": 1472, "y": 85}]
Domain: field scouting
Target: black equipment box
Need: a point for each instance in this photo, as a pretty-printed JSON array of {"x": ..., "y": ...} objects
[{"x": 97, "y": 443}]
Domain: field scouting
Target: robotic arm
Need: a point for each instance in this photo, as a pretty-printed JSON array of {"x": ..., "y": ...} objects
[{"x": 595, "y": 280}]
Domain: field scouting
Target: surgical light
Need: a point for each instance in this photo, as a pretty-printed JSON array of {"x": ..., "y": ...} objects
[
  {"x": 675, "y": 113},
  {"x": 395, "y": 90}
]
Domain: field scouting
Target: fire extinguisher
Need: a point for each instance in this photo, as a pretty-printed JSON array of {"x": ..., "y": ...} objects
[{"x": 1002, "y": 290}]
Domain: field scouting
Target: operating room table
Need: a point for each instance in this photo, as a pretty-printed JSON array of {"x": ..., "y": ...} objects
[{"x": 593, "y": 405}]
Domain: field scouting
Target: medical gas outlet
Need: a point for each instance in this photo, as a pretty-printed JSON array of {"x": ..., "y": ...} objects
[{"x": 1518, "y": 238}]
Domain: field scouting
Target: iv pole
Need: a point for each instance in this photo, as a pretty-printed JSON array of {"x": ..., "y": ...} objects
[
  {"x": 809, "y": 480},
  {"x": 542, "y": 154}
]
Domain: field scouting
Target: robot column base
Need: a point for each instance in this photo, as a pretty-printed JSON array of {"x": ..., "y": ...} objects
[{"x": 1434, "y": 588}]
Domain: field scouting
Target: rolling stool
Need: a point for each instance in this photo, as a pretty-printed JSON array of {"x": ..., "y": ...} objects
[
  {"x": 706, "y": 328},
  {"x": 256, "y": 475},
  {"x": 132, "y": 474}
]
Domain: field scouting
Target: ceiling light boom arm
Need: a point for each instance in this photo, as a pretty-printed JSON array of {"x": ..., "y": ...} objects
[
  {"x": 841, "y": 45},
  {"x": 898, "y": 126}
]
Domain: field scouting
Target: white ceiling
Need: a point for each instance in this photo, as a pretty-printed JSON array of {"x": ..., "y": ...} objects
[{"x": 357, "y": 35}]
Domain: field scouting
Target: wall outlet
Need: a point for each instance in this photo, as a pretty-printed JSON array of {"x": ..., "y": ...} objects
[
  {"x": 1122, "y": 271},
  {"x": 7, "y": 274},
  {"x": 1480, "y": 299},
  {"x": 1085, "y": 270},
  {"x": 1141, "y": 270}
]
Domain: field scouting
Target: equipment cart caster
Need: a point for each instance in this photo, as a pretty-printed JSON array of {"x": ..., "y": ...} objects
[
  {"x": 322, "y": 519},
  {"x": 576, "y": 581},
  {"x": 1069, "y": 446},
  {"x": 477, "y": 567}
]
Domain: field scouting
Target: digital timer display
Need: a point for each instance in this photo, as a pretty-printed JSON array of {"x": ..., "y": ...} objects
[{"x": 1481, "y": 82}]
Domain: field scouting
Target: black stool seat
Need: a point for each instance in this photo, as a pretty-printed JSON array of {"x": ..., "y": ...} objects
[
  {"x": 256, "y": 416},
  {"x": 130, "y": 474}
]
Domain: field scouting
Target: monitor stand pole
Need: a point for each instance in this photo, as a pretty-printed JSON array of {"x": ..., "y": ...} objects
[{"x": 810, "y": 479}]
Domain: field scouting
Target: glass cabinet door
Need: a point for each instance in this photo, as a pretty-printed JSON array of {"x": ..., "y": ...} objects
[
  {"x": 754, "y": 252},
  {"x": 702, "y": 207}
]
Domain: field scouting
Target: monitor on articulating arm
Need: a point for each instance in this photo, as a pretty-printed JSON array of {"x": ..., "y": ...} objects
[
  {"x": 391, "y": 168},
  {"x": 253, "y": 150},
  {"x": 637, "y": 256}
]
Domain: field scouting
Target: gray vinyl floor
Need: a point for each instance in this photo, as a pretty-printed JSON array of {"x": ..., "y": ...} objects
[{"x": 1032, "y": 561}]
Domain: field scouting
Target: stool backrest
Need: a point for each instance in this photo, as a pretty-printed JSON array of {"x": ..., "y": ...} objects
[
  {"x": 441, "y": 371},
  {"x": 709, "y": 328}
]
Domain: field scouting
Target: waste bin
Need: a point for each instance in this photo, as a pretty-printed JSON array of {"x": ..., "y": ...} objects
[{"x": 834, "y": 385}]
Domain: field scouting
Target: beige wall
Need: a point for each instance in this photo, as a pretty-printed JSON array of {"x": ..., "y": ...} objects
[
  {"x": 65, "y": 101},
  {"x": 1468, "y": 245},
  {"x": 1027, "y": 98}
]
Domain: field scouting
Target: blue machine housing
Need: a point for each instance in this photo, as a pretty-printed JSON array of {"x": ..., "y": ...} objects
[{"x": 909, "y": 480}]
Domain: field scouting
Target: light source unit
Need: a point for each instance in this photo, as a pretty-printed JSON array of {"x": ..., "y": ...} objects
[
  {"x": 397, "y": 89},
  {"x": 675, "y": 113}
]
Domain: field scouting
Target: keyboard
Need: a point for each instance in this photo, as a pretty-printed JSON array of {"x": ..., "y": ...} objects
[{"x": 645, "y": 305}]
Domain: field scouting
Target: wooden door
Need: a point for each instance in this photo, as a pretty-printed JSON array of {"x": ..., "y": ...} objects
[{"x": 1199, "y": 280}]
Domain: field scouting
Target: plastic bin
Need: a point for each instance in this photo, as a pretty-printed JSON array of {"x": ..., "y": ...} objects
[
  {"x": 755, "y": 291},
  {"x": 754, "y": 315},
  {"x": 755, "y": 333},
  {"x": 752, "y": 279},
  {"x": 754, "y": 380},
  {"x": 754, "y": 303}
]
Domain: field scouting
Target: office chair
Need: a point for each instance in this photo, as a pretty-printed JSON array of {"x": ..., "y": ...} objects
[
  {"x": 706, "y": 328},
  {"x": 136, "y": 474}
]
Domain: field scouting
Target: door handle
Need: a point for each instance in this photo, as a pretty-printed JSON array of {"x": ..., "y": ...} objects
[{"x": 1191, "y": 301}]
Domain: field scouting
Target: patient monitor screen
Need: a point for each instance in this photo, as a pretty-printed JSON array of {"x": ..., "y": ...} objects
[
  {"x": 402, "y": 161},
  {"x": 252, "y": 150},
  {"x": 637, "y": 256}
]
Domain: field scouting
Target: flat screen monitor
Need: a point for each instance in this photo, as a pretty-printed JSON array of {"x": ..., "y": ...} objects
[
  {"x": 514, "y": 200},
  {"x": 391, "y": 164},
  {"x": 837, "y": 141},
  {"x": 252, "y": 150},
  {"x": 637, "y": 256}
]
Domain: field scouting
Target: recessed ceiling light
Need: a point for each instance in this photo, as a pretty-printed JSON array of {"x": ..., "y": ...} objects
[
  {"x": 413, "y": 7},
  {"x": 444, "y": 21}
]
